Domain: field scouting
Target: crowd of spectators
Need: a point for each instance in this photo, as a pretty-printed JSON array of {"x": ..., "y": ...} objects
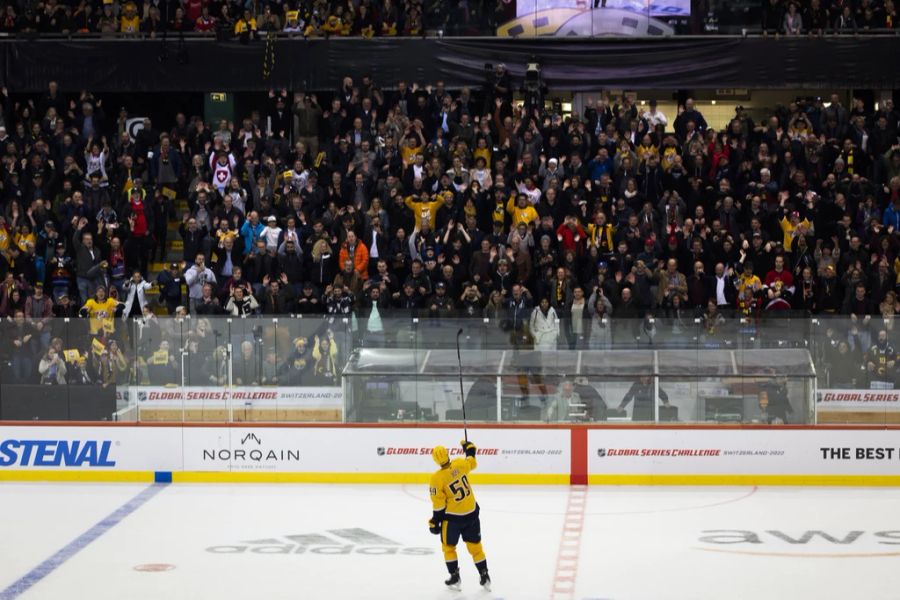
[
  {"x": 821, "y": 17},
  {"x": 247, "y": 21},
  {"x": 419, "y": 201}
]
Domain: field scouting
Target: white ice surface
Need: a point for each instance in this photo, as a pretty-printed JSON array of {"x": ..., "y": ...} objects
[{"x": 637, "y": 543}]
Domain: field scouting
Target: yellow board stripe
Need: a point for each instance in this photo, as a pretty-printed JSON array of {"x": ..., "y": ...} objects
[
  {"x": 77, "y": 475},
  {"x": 726, "y": 479}
]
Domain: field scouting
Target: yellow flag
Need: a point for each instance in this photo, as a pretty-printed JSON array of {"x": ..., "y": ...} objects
[
  {"x": 160, "y": 357},
  {"x": 97, "y": 346}
]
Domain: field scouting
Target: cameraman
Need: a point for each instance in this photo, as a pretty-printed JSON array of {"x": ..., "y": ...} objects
[{"x": 499, "y": 86}]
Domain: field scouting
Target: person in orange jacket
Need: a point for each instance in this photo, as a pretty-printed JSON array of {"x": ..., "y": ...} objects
[{"x": 355, "y": 250}]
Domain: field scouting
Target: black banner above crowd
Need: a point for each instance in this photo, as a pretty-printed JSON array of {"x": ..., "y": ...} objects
[{"x": 200, "y": 65}]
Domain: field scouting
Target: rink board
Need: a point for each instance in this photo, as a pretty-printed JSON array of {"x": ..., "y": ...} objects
[{"x": 520, "y": 455}]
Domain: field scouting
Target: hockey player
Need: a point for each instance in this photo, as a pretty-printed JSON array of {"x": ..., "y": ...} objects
[{"x": 456, "y": 512}]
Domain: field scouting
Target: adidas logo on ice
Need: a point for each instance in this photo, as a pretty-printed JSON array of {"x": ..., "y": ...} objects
[{"x": 341, "y": 542}]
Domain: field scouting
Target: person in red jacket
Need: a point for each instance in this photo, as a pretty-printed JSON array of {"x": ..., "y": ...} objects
[
  {"x": 355, "y": 250},
  {"x": 570, "y": 235},
  {"x": 140, "y": 240}
]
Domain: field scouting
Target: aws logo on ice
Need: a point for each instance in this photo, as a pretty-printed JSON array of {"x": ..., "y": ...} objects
[
  {"x": 815, "y": 543},
  {"x": 342, "y": 542}
]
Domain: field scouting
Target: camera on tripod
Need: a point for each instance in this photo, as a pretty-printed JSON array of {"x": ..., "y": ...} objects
[{"x": 533, "y": 88}]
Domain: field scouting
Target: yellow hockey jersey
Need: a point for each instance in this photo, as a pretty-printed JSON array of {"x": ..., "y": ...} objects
[{"x": 450, "y": 488}]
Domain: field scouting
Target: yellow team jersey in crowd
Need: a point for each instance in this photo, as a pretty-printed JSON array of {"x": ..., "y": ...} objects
[
  {"x": 22, "y": 240},
  {"x": 450, "y": 489},
  {"x": 4, "y": 240},
  {"x": 332, "y": 25},
  {"x": 602, "y": 236},
  {"x": 668, "y": 157},
  {"x": 130, "y": 24},
  {"x": 425, "y": 212},
  {"x": 525, "y": 215},
  {"x": 484, "y": 153},
  {"x": 408, "y": 154},
  {"x": 242, "y": 26},
  {"x": 788, "y": 228},
  {"x": 645, "y": 152},
  {"x": 102, "y": 314},
  {"x": 753, "y": 282}
]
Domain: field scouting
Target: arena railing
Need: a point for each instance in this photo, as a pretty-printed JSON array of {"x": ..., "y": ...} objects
[
  {"x": 614, "y": 23},
  {"x": 691, "y": 369}
]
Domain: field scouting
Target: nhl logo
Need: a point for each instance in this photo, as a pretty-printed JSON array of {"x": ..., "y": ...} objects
[{"x": 380, "y": 451}]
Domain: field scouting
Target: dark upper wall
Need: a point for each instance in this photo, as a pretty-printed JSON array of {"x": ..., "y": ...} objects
[{"x": 575, "y": 64}]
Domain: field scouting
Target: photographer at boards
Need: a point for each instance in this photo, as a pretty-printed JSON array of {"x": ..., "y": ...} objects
[{"x": 774, "y": 402}]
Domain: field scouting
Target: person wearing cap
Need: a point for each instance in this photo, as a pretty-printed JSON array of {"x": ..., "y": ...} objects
[
  {"x": 169, "y": 282},
  {"x": 38, "y": 312},
  {"x": 648, "y": 253},
  {"x": 550, "y": 170},
  {"x": 792, "y": 226},
  {"x": 440, "y": 304},
  {"x": 59, "y": 269},
  {"x": 290, "y": 262},
  {"x": 271, "y": 233},
  {"x": 309, "y": 301}
]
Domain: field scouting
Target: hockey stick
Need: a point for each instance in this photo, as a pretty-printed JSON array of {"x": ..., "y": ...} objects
[{"x": 461, "y": 395}]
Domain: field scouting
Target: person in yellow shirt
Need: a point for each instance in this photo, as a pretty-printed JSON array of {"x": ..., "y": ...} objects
[
  {"x": 130, "y": 22},
  {"x": 246, "y": 25},
  {"x": 669, "y": 154},
  {"x": 601, "y": 233},
  {"x": 456, "y": 513},
  {"x": 482, "y": 151},
  {"x": 521, "y": 210},
  {"x": 748, "y": 280},
  {"x": 411, "y": 147},
  {"x": 646, "y": 149},
  {"x": 793, "y": 228},
  {"x": 332, "y": 25},
  {"x": 425, "y": 211},
  {"x": 4, "y": 237},
  {"x": 102, "y": 312},
  {"x": 23, "y": 237}
]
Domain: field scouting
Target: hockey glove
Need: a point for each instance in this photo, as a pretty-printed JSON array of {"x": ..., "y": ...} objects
[
  {"x": 434, "y": 527},
  {"x": 468, "y": 448}
]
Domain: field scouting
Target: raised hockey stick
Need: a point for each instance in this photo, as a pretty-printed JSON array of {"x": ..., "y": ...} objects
[{"x": 461, "y": 395}]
